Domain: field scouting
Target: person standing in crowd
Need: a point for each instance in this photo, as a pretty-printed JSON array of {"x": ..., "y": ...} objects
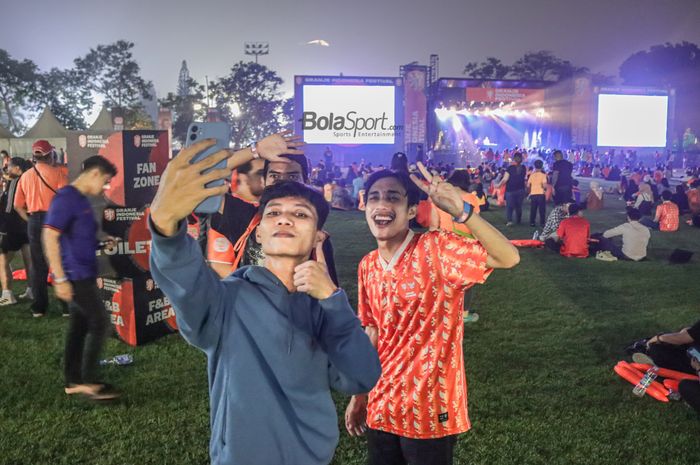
[
  {"x": 70, "y": 242},
  {"x": 537, "y": 186},
  {"x": 247, "y": 187},
  {"x": 410, "y": 292},
  {"x": 562, "y": 178},
  {"x": 666, "y": 218},
  {"x": 514, "y": 180},
  {"x": 635, "y": 238},
  {"x": 35, "y": 191},
  {"x": 277, "y": 337},
  {"x": 13, "y": 230},
  {"x": 237, "y": 220}
]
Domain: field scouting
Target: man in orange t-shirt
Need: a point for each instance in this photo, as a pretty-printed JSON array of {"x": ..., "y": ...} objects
[
  {"x": 537, "y": 186},
  {"x": 574, "y": 232},
  {"x": 35, "y": 191},
  {"x": 410, "y": 300}
]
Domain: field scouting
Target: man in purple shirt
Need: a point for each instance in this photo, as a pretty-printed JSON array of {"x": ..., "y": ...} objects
[{"x": 70, "y": 242}]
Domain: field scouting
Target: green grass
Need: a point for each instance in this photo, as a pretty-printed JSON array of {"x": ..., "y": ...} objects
[{"x": 539, "y": 366}]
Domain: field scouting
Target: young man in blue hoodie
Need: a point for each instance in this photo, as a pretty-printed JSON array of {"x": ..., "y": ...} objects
[{"x": 278, "y": 337}]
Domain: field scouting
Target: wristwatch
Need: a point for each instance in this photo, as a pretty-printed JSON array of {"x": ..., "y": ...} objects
[
  {"x": 466, "y": 213},
  {"x": 254, "y": 148}
]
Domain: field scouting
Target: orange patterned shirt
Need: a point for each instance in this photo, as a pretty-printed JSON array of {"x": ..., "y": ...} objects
[{"x": 416, "y": 304}]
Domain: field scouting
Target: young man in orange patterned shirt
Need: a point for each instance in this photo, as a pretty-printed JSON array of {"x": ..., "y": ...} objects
[{"x": 410, "y": 297}]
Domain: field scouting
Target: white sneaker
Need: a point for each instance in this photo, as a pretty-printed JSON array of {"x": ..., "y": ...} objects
[
  {"x": 7, "y": 299},
  {"x": 535, "y": 236},
  {"x": 28, "y": 294}
]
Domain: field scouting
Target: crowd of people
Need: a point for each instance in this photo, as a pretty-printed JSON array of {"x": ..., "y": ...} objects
[{"x": 265, "y": 249}]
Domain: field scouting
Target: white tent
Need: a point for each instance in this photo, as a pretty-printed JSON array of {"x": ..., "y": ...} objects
[{"x": 47, "y": 127}]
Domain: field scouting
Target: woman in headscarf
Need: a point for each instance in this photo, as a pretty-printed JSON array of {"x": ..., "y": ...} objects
[
  {"x": 594, "y": 201},
  {"x": 645, "y": 199}
]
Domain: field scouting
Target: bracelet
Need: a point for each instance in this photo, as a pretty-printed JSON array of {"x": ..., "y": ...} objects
[
  {"x": 254, "y": 148},
  {"x": 60, "y": 280},
  {"x": 466, "y": 214}
]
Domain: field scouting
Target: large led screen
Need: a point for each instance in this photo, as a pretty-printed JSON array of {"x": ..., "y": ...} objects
[{"x": 632, "y": 120}]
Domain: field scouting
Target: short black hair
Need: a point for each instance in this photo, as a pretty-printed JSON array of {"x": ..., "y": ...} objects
[
  {"x": 666, "y": 195},
  {"x": 634, "y": 214},
  {"x": 100, "y": 163},
  {"x": 298, "y": 190},
  {"x": 412, "y": 192},
  {"x": 301, "y": 159},
  {"x": 23, "y": 163},
  {"x": 558, "y": 152},
  {"x": 399, "y": 162},
  {"x": 245, "y": 168},
  {"x": 4, "y": 153},
  {"x": 539, "y": 164},
  {"x": 574, "y": 208},
  {"x": 460, "y": 178}
]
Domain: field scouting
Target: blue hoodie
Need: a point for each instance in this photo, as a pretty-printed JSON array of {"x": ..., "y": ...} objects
[{"x": 273, "y": 356}]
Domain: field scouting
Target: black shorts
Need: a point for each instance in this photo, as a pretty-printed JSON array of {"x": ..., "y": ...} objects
[{"x": 13, "y": 241}]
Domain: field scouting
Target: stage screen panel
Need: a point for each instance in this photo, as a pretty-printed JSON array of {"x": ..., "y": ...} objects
[
  {"x": 354, "y": 118},
  {"x": 632, "y": 120}
]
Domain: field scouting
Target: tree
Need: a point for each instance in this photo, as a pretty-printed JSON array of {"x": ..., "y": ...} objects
[
  {"x": 17, "y": 82},
  {"x": 186, "y": 108},
  {"x": 491, "y": 68},
  {"x": 65, "y": 94},
  {"x": 110, "y": 71},
  {"x": 544, "y": 66},
  {"x": 249, "y": 100},
  {"x": 675, "y": 66}
]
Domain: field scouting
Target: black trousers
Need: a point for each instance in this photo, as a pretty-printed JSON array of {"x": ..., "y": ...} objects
[
  {"x": 562, "y": 194},
  {"x": 40, "y": 269},
  {"x": 690, "y": 392},
  {"x": 671, "y": 357},
  {"x": 87, "y": 330},
  {"x": 390, "y": 449},
  {"x": 537, "y": 204}
]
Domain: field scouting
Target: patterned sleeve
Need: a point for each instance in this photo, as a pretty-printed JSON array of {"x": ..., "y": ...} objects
[
  {"x": 462, "y": 260},
  {"x": 364, "y": 310}
]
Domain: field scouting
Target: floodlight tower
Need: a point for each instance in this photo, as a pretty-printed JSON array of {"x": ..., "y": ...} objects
[{"x": 257, "y": 48}]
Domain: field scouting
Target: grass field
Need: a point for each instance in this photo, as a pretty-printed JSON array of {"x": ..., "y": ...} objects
[{"x": 539, "y": 366}]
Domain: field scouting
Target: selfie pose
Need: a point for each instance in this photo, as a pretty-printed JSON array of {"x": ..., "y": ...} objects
[
  {"x": 410, "y": 299},
  {"x": 277, "y": 337}
]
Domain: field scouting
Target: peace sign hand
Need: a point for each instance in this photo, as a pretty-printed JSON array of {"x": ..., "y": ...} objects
[{"x": 444, "y": 195}]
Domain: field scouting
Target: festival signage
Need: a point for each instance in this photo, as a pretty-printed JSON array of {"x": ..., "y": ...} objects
[
  {"x": 139, "y": 156},
  {"x": 503, "y": 94},
  {"x": 415, "y": 104}
]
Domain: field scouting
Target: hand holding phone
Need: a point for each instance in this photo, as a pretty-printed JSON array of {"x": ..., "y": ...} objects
[
  {"x": 220, "y": 132},
  {"x": 183, "y": 185}
]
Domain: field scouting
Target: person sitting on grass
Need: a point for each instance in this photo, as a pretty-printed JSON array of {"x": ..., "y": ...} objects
[
  {"x": 554, "y": 219},
  {"x": 277, "y": 337},
  {"x": 594, "y": 200},
  {"x": 644, "y": 200},
  {"x": 670, "y": 350},
  {"x": 666, "y": 218},
  {"x": 635, "y": 238},
  {"x": 573, "y": 234},
  {"x": 680, "y": 198}
]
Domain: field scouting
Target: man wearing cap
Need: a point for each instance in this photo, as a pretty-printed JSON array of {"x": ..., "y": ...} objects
[{"x": 35, "y": 191}]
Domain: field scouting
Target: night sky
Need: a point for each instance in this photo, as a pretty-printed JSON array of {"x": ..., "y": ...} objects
[{"x": 367, "y": 37}]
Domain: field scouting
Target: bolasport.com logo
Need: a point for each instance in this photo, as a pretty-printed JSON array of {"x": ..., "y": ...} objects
[{"x": 350, "y": 124}]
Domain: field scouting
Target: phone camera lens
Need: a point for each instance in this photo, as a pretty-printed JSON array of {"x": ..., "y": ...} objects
[
  {"x": 193, "y": 136},
  {"x": 195, "y": 128}
]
